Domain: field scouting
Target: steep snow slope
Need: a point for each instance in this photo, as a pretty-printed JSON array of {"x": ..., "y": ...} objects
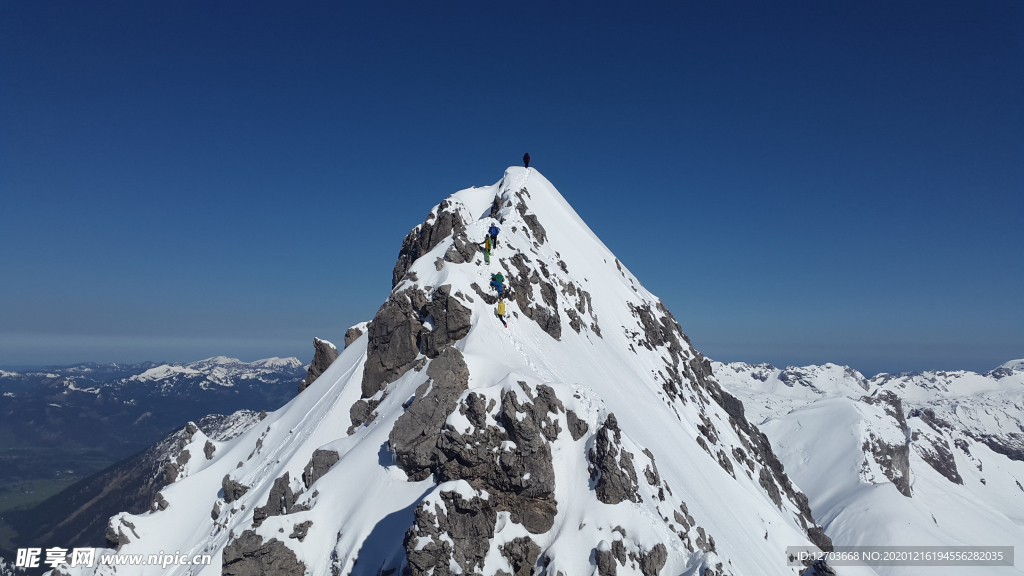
[
  {"x": 587, "y": 437},
  {"x": 930, "y": 458}
]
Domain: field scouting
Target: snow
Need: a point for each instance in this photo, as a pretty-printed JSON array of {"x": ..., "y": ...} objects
[
  {"x": 818, "y": 429},
  {"x": 363, "y": 506}
]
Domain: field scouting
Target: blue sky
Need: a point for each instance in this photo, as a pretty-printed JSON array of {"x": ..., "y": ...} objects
[{"x": 800, "y": 182}]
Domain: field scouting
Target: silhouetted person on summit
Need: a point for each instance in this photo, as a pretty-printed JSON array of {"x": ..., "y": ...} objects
[{"x": 526, "y": 159}]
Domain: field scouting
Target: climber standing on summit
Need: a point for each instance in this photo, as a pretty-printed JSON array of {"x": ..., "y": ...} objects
[
  {"x": 493, "y": 233},
  {"x": 497, "y": 280},
  {"x": 526, "y": 159}
]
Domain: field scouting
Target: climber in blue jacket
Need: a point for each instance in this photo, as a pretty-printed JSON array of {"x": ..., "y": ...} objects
[{"x": 493, "y": 231}]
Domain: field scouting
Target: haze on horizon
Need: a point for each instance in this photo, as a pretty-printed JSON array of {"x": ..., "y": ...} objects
[{"x": 800, "y": 183}]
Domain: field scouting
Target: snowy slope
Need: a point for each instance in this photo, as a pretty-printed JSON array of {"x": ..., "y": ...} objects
[
  {"x": 588, "y": 437},
  {"x": 929, "y": 458}
]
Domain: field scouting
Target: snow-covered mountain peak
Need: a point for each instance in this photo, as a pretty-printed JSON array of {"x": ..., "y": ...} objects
[{"x": 586, "y": 436}]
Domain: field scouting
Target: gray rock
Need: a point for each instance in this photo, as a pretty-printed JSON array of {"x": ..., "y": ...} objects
[
  {"x": 605, "y": 562},
  {"x": 362, "y": 412},
  {"x": 209, "y": 449},
  {"x": 768, "y": 483},
  {"x": 393, "y": 340},
  {"x": 612, "y": 467},
  {"x": 414, "y": 436},
  {"x": 468, "y": 524},
  {"x": 280, "y": 501},
  {"x": 893, "y": 459},
  {"x": 300, "y": 530},
  {"x": 159, "y": 503},
  {"x": 654, "y": 560},
  {"x": 248, "y": 555},
  {"x": 351, "y": 335},
  {"x": 452, "y": 321},
  {"x": 935, "y": 450},
  {"x": 324, "y": 354},
  {"x": 318, "y": 465},
  {"x": 521, "y": 553},
  {"x": 486, "y": 297},
  {"x": 232, "y": 489},
  {"x": 425, "y": 237},
  {"x": 532, "y": 222},
  {"x": 577, "y": 426},
  {"x": 115, "y": 533}
]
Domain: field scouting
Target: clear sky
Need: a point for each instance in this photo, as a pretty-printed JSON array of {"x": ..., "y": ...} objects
[{"x": 800, "y": 182}]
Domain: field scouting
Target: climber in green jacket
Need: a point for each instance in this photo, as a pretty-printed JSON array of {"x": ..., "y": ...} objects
[{"x": 497, "y": 280}]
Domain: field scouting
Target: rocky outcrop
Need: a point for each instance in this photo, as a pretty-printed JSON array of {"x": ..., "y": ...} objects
[
  {"x": 248, "y": 555},
  {"x": 318, "y": 465},
  {"x": 451, "y": 321},
  {"x": 363, "y": 412},
  {"x": 610, "y": 556},
  {"x": 934, "y": 450},
  {"x": 520, "y": 289},
  {"x": 509, "y": 459},
  {"x": 116, "y": 532},
  {"x": 454, "y": 530},
  {"x": 577, "y": 426},
  {"x": 354, "y": 332},
  {"x": 521, "y": 554},
  {"x": 392, "y": 344},
  {"x": 300, "y": 530},
  {"x": 397, "y": 334},
  {"x": 611, "y": 466},
  {"x": 324, "y": 354},
  {"x": 232, "y": 490},
  {"x": 414, "y": 436},
  {"x": 531, "y": 221},
  {"x": 425, "y": 237},
  {"x": 281, "y": 501},
  {"x": 892, "y": 458}
]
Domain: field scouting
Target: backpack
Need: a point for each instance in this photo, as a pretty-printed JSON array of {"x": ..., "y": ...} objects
[{"x": 501, "y": 308}]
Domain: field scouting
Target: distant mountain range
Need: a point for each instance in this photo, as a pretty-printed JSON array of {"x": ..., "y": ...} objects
[
  {"x": 931, "y": 458},
  {"x": 60, "y": 424}
]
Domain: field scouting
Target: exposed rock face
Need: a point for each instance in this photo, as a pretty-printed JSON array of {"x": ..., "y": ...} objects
[
  {"x": 893, "y": 459},
  {"x": 232, "y": 490},
  {"x": 209, "y": 449},
  {"x": 116, "y": 536},
  {"x": 425, "y": 237},
  {"x": 280, "y": 501},
  {"x": 319, "y": 464},
  {"x": 610, "y": 556},
  {"x": 934, "y": 449},
  {"x": 530, "y": 219},
  {"x": 248, "y": 555},
  {"x": 172, "y": 468},
  {"x": 520, "y": 289},
  {"x": 324, "y": 354},
  {"x": 467, "y": 527},
  {"x": 577, "y": 426},
  {"x": 612, "y": 466},
  {"x": 392, "y": 346},
  {"x": 362, "y": 412},
  {"x": 353, "y": 334},
  {"x": 509, "y": 459},
  {"x": 414, "y": 436},
  {"x": 452, "y": 321},
  {"x": 521, "y": 553},
  {"x": 397, "y": 333},
  {"x": 300, "y": 530}
]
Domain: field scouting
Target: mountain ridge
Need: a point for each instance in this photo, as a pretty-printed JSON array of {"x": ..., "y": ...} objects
[{"x": 586, "y": 436}]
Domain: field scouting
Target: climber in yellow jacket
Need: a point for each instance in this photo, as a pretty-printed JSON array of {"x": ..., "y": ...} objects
[{"x": 501, "y": 312}]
